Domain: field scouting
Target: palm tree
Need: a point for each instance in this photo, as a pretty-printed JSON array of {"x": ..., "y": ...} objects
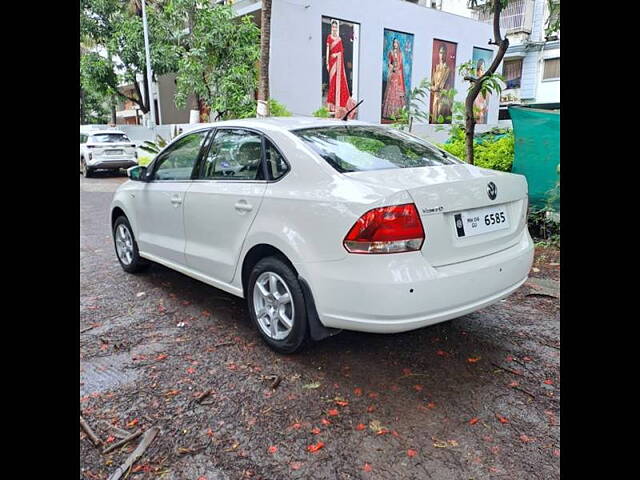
[{"x": 265, "y": 39}]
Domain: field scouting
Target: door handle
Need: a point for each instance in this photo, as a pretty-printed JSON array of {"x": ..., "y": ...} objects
[
  {"x": 176, "y": 201},
  {"x": 243, "y": 206}
]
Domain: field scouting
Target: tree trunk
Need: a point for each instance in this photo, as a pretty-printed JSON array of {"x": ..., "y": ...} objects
[
  {"x": 265, "y": 39},
  {"x": 503, "y": 44},
  {"x": 82, "y": 121},
  {"x": 113, "y": 110}
]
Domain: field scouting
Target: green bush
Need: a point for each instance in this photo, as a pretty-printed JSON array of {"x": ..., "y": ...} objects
[
  {"x": 144, "y": 160},
  {"x": 493, "y": 150},
  {"x": 322, "y": 112},
  {"x": 276, "y": 109}
]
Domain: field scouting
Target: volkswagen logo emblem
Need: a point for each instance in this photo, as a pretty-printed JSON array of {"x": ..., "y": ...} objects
[{"x": 492, "y": 190}]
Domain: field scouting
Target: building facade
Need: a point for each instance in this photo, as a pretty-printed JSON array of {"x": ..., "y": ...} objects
[
  {"x": 531, "y": 65},
  {"x": 333, "y": 53}
]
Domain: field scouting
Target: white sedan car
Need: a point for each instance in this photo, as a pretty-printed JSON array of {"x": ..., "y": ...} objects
[
  {"x": 106, "y": 150},
  {"x": 325, "y": 225}
]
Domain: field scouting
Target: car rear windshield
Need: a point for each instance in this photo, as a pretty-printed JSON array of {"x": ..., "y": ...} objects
[
  {"x": 109, "y": 138},
  {"x": 360, "y": 148}
]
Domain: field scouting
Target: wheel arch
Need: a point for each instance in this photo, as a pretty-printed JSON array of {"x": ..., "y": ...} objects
[{"x": 256, "y": 253}]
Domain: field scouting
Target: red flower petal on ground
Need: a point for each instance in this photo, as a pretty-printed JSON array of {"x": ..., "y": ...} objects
[
  {"x": 406, "y": 371},
  {"x": 442, "y": 353},
  {"x": 110, "y": 439},
  {"x": 295, "y": 465},
  {"x": 133, "y": 422},
  {"x": 315, "y": 431},
  {"x": 324, "y": 421},
  {"x": 367, "y": 467},
  {"x": 357, "y": 391},
  {"x": 473, "y": 421},
  {"x": 373, "y": 395},
  {"x": 162, "y": 356},
  {"x": 473, "y": 359},
  {"x": 548, "y": 381},
  {"x": 191, "y": 370},
  {"x": 361, "y": 426},
  {"x": 202, "y": 478},
  {"x": 501, "y": 418},
  {"x": 556, "y": 452},
  {"x": 315, "y": 447},
  {"x": 411, "y": 453},
  {"x": 333, "y": 412},
  {"x": 514, "y": 384},
  {"x": 524, "y": 438},
  {"x": 273, "y": 449},
  {"x": 509, "y": 358},
  {"x": 342, "y": 403},
  {"x": 418, "y": 388},
  {"x": 371, "y": 408},
  {"x": 431, "y": 405},
  {"x": 210, "y": 433},
  {"x": 296, "y": 426}
]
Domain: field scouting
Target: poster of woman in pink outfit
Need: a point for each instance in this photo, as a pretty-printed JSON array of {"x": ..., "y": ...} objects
[{"x": 396, "y": 73}]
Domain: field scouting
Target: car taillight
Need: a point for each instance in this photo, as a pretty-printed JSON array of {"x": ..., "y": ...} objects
[{"x": 393, "y": 229}]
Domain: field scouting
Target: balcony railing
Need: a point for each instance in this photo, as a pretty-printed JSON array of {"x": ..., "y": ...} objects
[{"x": 515, "y": 17}]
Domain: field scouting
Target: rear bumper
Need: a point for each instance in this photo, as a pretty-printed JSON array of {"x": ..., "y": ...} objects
[
  {"x": 113, "y": 163},
  {"x": 401, "y": 292}
]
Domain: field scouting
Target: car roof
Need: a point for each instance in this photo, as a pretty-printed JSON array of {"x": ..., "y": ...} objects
[
  {"x": 102, "y": 132},
  {"x": 282, "y": 123}
]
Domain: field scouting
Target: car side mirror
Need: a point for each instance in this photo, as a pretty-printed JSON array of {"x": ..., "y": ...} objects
[{"x": 137, "y": 173}]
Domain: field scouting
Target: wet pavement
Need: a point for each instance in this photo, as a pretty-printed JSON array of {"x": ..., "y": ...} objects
[{"x": 474, "y": 398}]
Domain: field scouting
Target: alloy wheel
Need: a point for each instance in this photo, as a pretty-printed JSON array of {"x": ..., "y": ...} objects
[
  {"x": 124, "y": 244},
  {"x": 273, "y": 304}
]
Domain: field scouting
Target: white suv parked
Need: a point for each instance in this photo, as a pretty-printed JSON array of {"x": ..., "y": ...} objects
[
  {"x": 106, "y": 150},
  {"x": 325, "y": 225}
]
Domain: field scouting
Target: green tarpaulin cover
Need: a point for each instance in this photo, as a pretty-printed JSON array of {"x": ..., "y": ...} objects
[{"x": 537, "y": 153}]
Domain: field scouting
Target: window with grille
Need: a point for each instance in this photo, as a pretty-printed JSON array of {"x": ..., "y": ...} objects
[
  {"x": 512, "y": 72},
  {"x": 551, "y": 69}
]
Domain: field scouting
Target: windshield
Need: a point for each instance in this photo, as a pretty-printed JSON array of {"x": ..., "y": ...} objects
[
  {"x": 360, "y": 148},
  {"x": 109, "y": 138}
]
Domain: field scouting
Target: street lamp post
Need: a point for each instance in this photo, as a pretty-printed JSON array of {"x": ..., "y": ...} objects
[{"x": 152, "y": 106}]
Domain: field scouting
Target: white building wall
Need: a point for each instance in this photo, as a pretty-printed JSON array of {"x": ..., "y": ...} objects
[{"x": 296, "y": 48}]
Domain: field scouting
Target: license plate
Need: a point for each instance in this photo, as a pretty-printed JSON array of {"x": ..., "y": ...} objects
[
  {"x": 481, "y": 220},
  {"x": 113, "y": 152}
]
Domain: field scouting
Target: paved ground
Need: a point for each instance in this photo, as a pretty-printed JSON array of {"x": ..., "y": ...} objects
[{"x": 473, "y": 398}]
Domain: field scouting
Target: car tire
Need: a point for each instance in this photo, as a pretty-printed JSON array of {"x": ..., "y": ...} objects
[
  {"x": 287, "y": 339},
  {"x": 87, "y": 171},
  {"x": 126, "y": 247}
]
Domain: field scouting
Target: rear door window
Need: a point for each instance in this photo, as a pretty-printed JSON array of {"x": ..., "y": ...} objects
[{"x": 235, "y": 154}]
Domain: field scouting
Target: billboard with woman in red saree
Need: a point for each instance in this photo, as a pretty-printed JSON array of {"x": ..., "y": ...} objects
[
  {"x": 443, "y": 74},
  {"x": 340, "y": 65},
  {"x": 397, "y": 57}
]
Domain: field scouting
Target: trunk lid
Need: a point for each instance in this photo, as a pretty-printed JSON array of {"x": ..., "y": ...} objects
[{"x": 441, "y": 192}]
